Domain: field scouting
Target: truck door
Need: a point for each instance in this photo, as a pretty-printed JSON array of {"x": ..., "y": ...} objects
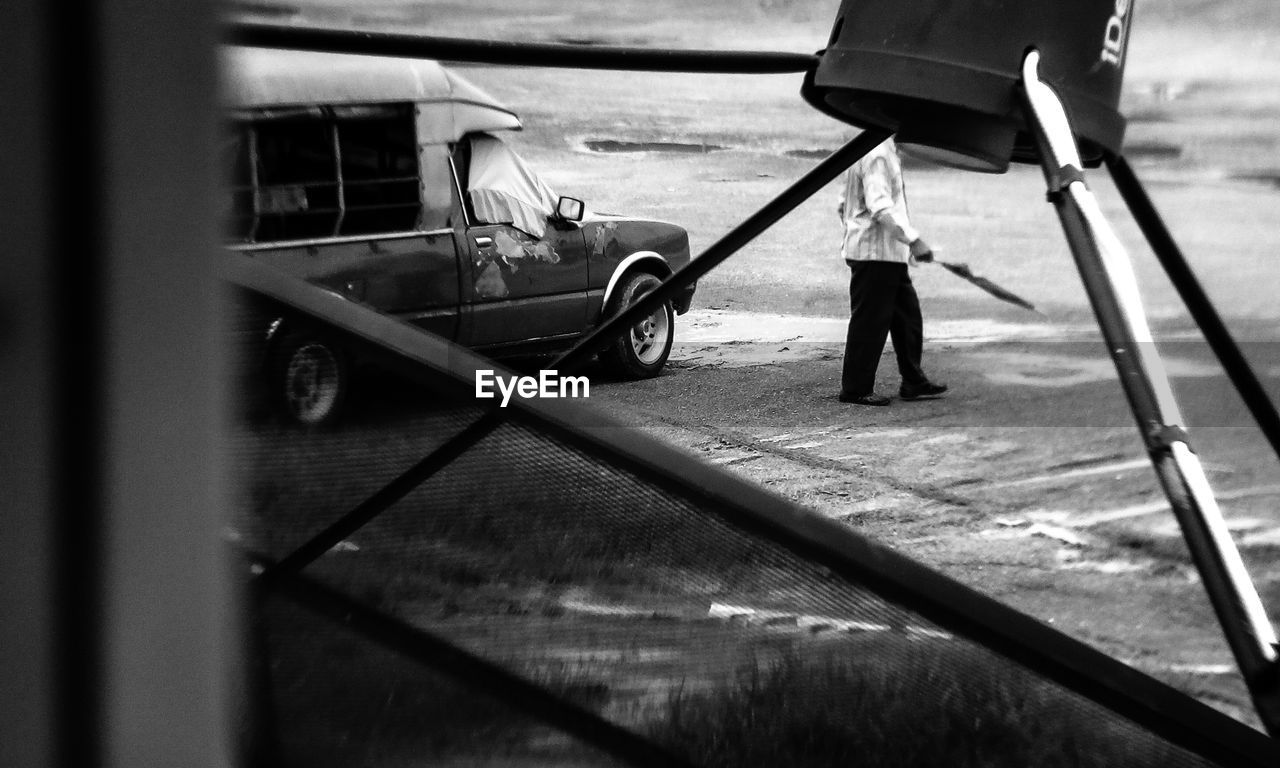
[
  {"x": 525, "y": 288},
  {"x": 526, "y": 276}
]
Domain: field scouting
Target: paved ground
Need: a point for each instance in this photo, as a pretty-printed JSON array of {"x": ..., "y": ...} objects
[{"x": 1028, "y": 481}]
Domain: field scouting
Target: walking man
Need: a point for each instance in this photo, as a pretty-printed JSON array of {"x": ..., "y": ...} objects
[{"x": 879, "y": 243}]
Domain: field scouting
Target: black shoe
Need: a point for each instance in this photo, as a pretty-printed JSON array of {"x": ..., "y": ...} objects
[
  {"x": 867, "y": 399},
  {"x": 926, "y": 391}
]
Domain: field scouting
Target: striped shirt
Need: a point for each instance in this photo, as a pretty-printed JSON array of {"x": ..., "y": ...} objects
[{"x": 874, "y": 186}]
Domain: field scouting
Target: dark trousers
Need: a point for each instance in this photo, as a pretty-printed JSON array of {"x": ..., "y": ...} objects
[{"x": 882, "y": 302}]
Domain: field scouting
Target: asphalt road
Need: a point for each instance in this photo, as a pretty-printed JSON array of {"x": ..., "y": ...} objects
[{"x": 1028, "y": 480}]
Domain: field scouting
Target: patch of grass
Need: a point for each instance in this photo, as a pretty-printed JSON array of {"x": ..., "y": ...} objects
[
  {"x": 342, "y": 700},
  {"x": 895, "y": 703}
]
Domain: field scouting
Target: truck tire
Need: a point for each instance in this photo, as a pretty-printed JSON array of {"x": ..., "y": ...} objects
[
  {"x": 642, "y": 351},
  {"x": 309, "y": 378}
]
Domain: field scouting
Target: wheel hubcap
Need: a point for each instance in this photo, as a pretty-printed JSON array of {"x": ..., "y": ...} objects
[{"x": 649, "y": 337}]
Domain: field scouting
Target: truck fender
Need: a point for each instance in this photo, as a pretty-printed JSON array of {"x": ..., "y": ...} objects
[{"x": 650, "y": 259}]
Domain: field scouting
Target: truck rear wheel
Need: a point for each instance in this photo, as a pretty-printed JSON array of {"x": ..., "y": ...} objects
[{"x": 309, "y": 378}]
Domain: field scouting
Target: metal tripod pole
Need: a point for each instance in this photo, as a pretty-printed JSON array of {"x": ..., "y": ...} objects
[
  {"x": 1113, "y": 292},
  {"x": 1215, "y": 331}
]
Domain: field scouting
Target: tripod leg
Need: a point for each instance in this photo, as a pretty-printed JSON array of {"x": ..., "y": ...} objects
[
  {"x": 1113, "y": 292},
  {"x": 1198, "y": 304}
]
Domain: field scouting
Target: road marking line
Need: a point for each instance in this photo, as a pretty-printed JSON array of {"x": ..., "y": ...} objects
[
  {"x": 1117, "y": 466},
  {"x": 1079, "y": 520},
  {"x": 598, "y": 609},
  {"x": 737, "y": 459},
  {"x": 1123, "y": 513},
  {"x": 799, "y": 446},
  {"x": 945, "y": 439},
  {"x": 1057, "y": 533},
  {"x": 1267, "y": 538},
  {"x": 803, "y": 435},
  {"x": 768, "y": 618},
  {"x": 1204, "y": 669},
  {"x": 814, "y": 624},
  {"x": 1071, "y": 474}
]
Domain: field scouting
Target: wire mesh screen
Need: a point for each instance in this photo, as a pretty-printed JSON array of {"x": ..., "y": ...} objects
[{"x": 627, "y": 599}]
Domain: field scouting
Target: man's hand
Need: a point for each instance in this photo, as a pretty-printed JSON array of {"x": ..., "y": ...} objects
[{"x": 920, "y": 251}]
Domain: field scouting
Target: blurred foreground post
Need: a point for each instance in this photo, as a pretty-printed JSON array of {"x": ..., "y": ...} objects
[{"x": 114, "y": 602}]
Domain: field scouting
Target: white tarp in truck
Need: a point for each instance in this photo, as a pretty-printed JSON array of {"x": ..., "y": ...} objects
[{"x": 505, "y": 189}]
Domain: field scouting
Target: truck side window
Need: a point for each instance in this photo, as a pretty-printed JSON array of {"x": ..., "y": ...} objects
[
  {"x": 323, "y": 172},
  {"x": 379, "y": 175},
  {"x": 297, "y": 191}
]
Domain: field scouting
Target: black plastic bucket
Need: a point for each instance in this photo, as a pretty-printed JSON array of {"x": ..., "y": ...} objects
[{"x": 943, "y": 74}]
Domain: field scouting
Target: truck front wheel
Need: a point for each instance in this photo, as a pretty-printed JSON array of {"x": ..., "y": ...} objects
[{"x": 642, "y": 350}]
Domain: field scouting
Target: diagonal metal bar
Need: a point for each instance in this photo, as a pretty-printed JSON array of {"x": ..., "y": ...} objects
[
  {"x": 518, "y": 54},
  {"x": 1112, "y": 287},
  {"x": 797, "y": 193},
  {"x": 804, "y": 188},
  {"x": 1198, "y": 304},
  {"x": 476, "y": 672}
]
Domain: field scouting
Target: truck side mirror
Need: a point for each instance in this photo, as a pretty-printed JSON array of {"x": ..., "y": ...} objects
[{"x": 570, "y": 208}]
